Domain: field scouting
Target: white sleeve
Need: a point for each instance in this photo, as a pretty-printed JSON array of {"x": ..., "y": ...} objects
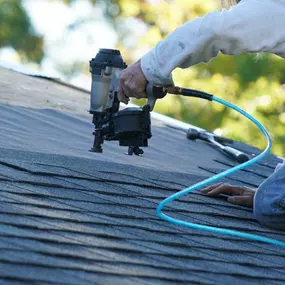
[{"x": 250, "y": 26}]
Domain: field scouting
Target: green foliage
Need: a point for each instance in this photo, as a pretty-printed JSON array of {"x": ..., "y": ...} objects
[
  {"x": 16, "y": 31},
  {"x": 72, "y": 1}
]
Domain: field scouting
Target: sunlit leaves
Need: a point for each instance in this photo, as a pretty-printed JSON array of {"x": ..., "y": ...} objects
[
  {"x": 130, "y": 8},
  {"x": 70, "y": 1},
  {"x": 16, "y": 31}
]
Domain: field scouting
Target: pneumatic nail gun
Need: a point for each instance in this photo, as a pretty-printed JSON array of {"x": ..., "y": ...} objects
[{"x": 130, "y": 126}]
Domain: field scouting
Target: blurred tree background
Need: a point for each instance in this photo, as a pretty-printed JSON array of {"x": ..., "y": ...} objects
[
  {"x": 16, "y": 31},
  {"x": 255, "y": 82}
]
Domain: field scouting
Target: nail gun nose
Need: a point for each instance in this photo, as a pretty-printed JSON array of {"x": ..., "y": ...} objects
[{"x": 235, "y": 154}]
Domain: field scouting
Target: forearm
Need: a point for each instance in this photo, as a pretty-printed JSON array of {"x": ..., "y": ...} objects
[
  {"x": 189, "y": 44},
  {"x": 251, "y": 26}
]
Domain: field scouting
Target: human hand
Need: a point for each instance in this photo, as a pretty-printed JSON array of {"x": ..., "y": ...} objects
[
  {"x": 238, "y": 195},
  {"x": 132, "y": 83}
]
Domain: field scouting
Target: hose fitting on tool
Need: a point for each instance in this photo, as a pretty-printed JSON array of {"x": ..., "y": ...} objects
[{"x": 188, "y": 92}]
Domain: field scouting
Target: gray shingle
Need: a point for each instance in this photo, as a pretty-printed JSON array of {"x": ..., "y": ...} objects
[
  {"x": 55, "y": 228},
  {"x": 71, "y": 217}
]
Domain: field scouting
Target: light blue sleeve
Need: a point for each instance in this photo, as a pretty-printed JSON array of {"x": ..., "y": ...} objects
[{"x": 269, "y": 201}]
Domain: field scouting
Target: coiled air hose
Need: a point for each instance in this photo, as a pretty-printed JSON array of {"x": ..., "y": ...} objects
[{"x": 206, "y": 182}]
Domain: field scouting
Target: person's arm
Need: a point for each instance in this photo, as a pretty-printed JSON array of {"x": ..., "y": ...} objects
[
  {"x": 250, "y": 26},
  {"x": 269, "y": 200}
]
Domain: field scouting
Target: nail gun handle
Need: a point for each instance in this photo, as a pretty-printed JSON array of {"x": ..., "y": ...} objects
[
  {"x": 236, "y": 154},
  {"x": 153, "y": 93}
]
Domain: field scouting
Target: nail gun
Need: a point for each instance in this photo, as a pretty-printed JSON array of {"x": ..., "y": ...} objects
[{"x": 130, "y": 126}]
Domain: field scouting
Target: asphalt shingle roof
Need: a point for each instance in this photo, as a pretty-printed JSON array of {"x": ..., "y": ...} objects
[{"x": 72, "y": 217}]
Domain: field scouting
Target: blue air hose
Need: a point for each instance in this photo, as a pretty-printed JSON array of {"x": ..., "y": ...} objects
[{"x": 219, "y": 176}]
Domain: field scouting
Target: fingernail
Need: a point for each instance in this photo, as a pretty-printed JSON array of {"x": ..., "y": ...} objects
[{"x": 231, "y": 200}]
